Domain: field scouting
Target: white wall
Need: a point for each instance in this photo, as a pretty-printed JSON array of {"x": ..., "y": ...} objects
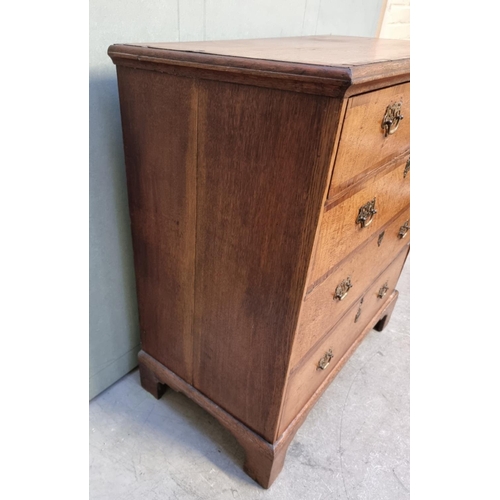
[
  {"x": 114, "y": 330},
  {"x": 396, "y": 20}
]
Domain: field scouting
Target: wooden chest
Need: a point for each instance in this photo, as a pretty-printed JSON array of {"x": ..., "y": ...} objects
[{"x": 268, "y": 187}]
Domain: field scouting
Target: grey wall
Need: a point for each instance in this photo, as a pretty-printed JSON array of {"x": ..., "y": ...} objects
[{"x": 114, "y": 330}]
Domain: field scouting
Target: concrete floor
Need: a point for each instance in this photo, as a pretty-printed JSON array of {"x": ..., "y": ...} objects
[{"x": 355, "y": 443}]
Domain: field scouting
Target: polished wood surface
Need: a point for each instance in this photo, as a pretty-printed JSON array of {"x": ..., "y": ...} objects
[
  {"x": 363, "y": 144},
  {"x": 319, "y": 50},
  {"x": 253, "y": 247},
  {"x": 327, "y": 65},
  {"x": 239, "y": 242},
  {"x": 263, "y": 460},
  {"x": 161, "y": 179},
  {"x": 305, "y": 377},
  {"x": 380, "y": 318},
  {"x": 373, "y": 254},
  {"x": 339, "y": 234},
  {"x": 321, "y": 310}
]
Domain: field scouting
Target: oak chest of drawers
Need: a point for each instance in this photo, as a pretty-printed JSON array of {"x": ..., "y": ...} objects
[{"x": 268, "y": 187}]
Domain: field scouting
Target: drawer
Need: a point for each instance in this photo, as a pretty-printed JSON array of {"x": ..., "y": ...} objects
[
  {"x": 306, "y": 376},
  {"x": 341, "y": 230},
  {"x": 325, "y": 304},
  {"x": 364, "y": 144}
]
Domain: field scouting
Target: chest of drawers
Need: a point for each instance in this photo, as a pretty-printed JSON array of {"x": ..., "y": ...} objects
[{"x": 268, "y": 186}]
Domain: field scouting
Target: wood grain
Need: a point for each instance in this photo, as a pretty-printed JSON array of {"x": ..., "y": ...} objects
[
  {"x": 362, "y": 180},
  {"x": 320, "y": 311},
  {"x": 363, "y": 145},
  {"x": 325, "y": 50},
  {"x": 247, "y": 163},
  {"x": 150, "y": 381},
  {"x": 254, "y": 245},
  {"x": 339, "y": 234},
  {"x": 161, "y": 177},
  {"x": 305, "y": 377},
  {"x": 263, "y": 461},
  {"x": 308, "y": 406},
  {"x": 324, "y": 65}
]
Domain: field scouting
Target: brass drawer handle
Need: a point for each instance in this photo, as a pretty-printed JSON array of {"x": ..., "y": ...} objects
[
  {"x": 403, "y": 230},
  {"x": 407, "y": 168},
  {"x": 366, "y": 213},
  {"x": 343, "y": 289},
  {"x": 392, "y": 118},
  {"x": 325, "y": 360},
  {"x": 383, "y": 290}
]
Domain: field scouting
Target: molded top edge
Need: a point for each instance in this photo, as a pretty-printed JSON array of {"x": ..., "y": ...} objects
[{"x": 347, "y": 60}]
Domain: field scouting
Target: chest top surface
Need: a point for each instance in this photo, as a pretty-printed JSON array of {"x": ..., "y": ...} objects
[
  {"x": 341, "y": 59},
  {"x": 332, "y": 51}
]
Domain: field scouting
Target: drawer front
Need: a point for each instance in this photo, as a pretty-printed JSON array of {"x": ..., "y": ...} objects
[
  {"x": 364, "y": 143},
  {"x": 327, "y": 302},
  {"x": 307, "y": 376},
  {"x": 342, "y": 229}
]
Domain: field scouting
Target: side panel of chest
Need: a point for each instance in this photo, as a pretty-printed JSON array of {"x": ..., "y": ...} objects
[
  {"x": 159, "y": 132},
  {"x": 263, "y": 160}
]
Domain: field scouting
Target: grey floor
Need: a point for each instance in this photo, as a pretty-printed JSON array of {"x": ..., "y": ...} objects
[{"x": 355, "y": 443}]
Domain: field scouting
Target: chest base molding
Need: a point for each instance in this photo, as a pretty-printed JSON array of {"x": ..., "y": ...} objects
[{"x": 263, "y": 460}]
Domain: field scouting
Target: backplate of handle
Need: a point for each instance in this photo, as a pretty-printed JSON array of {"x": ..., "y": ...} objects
[
  {"x": 325, "y": 360},
  {"x": 366, "y": 213},
  {"x": 407, "y": 168},
  {"x": 392, "y": 118},
  {"x": 383, "y": 290},
  {"x": 343, "y": 289},
  {"x": 358, "y": 314},
  {"x": 403, "y": 230}
]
